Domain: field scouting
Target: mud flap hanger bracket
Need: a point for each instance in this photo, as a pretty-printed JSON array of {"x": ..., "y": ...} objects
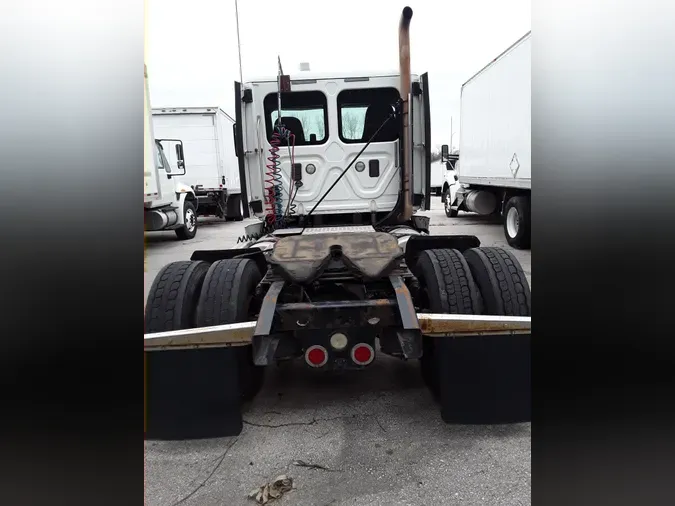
[{"x": 409, "y": 335}]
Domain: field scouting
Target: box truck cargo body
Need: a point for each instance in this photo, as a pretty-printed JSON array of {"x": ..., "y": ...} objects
[
  {"x": 207, "y": 133},
  {"x": 495, "y": 169}
]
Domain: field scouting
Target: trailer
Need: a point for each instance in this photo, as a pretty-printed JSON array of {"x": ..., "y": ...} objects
[
  {"x": 207, "y": 133},
  {"x": 339, "y": 266},
  {"x": 169, "y": 204},
  {"x": 494, "y": 175}
]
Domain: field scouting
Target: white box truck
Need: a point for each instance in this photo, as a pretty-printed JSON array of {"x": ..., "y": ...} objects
[
  {"x": 168, "y": 203},
  {"x": 494, "y": 171},
  {"x": 207, "y": 133},
  {"x": 437, "y": 177},
  {"x": 449, "y": 178}
]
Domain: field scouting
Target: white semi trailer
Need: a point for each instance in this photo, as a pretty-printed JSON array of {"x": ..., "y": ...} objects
[
  {"x": 494, "y": 172},
  {"x": 168, "y": 203},
  {"x": 207, "y": 133}
]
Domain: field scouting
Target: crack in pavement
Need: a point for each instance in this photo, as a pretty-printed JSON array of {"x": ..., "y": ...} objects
[
  {"x": 314, "y": 421},
  {"x": 213, "y": 471}
]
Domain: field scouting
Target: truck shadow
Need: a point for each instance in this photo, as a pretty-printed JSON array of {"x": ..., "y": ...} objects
[{"x": 389, "y": 390}]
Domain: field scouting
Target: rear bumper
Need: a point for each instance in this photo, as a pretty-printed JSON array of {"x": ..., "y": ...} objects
[{"x": 241, "y": 334}]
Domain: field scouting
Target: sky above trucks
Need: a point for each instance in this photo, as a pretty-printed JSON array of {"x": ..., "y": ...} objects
[{"x": 192, "y": 56}]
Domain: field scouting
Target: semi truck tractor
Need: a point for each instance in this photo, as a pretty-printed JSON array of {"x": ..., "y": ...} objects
[
  {"x": 494, "y": 173},
  {"x": 169, "y": 204},
  {"x": 207, "y": 134},
  {"x": 339, "y": 267}
]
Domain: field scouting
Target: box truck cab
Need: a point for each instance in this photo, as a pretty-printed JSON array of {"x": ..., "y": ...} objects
[{"x": 168, "y": 203}]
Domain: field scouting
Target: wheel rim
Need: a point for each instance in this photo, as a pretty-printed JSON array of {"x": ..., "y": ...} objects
[
  {"x": 512, "y": 222},
  {"x": 190, "y": 219},
  {"x": 446, "y": 202}
]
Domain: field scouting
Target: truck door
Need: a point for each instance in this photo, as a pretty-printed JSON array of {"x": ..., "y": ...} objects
[{"x": 421, "y": 139}]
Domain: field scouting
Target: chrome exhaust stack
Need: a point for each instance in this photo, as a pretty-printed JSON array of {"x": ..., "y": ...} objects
[{"x": 404, "y": 67}]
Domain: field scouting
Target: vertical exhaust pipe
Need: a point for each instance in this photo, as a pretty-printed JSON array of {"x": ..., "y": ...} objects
[{"x": 404, "y": 66}]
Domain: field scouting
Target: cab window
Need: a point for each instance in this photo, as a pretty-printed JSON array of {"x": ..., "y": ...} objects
[
  {"x": 362, "y": 111},
  {"x": 304, "y": 113}
]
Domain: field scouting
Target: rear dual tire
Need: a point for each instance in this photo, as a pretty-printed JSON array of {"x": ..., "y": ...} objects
[
  {"x": 197, "y": 393},
  {"x": 483, "y": 379}
]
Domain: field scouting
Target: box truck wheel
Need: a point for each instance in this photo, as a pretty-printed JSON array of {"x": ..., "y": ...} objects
[
  {"x": 189, "y": 230},
  {"x": 449, "y": 211},
  {"x": 171, "y": 305},
  {"x": 235, "y": 211},
  {"x": 227, "y": 296},
  {"x": 517, "y": 222},
  {"x": 446, "y": 287},
  {"x": 502, "y": 362}
]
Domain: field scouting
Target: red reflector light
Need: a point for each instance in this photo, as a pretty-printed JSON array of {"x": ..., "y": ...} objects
[
  {"x": 363, "y": 354},
  {"x": 316, "y": 356}
]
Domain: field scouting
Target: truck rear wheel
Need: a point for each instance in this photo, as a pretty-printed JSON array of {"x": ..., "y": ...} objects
[
  {"x": 234, "y": 209},
  {"x": 501, "y": 281},
  {"x": 172, "y": 301},
  {"x": 517, "y": 222},
  {"x": 227, "y": 296},
  {"x": 171, "y": 305},
  {"x": 502, "y": 365},
  {"x": 189, "y": 230},
  {"x": 446, "y": 287}
]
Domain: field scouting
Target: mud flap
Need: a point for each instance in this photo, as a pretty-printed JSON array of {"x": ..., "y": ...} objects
[
  {"x": 192, "y": 394},
  {"x": 485, "y": 379}
]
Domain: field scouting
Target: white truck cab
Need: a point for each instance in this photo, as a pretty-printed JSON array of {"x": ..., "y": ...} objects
[
  {"x": 168, "y": 203},
  {"x": 329, "y": 118}
]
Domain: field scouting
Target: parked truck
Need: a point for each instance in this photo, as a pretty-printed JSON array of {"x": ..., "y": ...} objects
[
  {"x": 207, "y": 133},
  {"x": 169, "y": 204},
  {"x": 449, "y": 162},
  {"x": 437, "y": 177},
  {"x": 494, "y": 173},
  {"x": 339, "y": 266}
]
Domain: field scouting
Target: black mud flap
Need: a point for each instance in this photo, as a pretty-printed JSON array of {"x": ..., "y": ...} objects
[
  {"x": 485, "y": 379},
  {"x": 192, "y": 394}
]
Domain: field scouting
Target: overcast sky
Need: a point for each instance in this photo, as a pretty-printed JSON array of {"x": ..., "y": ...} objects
[{"x": 191, "y": 47}]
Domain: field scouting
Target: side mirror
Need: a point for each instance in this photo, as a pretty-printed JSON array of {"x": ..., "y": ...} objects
[
  {"x": 180, "y": 157},
  {"x": 444, "y": 152}
]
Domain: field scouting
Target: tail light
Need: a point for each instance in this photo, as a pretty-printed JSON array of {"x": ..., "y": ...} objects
[
  {"x": 363, "y": 354},
  {"x": 316, "y": 356}
]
